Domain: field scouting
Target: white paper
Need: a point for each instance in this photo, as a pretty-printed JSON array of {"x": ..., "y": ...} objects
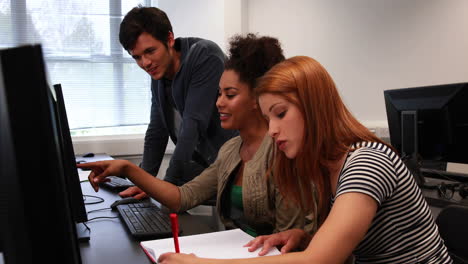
[
  {"x": 83, "y": 175},
  {"x": 221, "y": 245}
]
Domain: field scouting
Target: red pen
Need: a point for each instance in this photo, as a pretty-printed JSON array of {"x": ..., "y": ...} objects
[{"x": 175, "y": 231}]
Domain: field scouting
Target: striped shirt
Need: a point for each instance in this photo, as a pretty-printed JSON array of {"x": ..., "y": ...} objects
[{"x": 403, "y": 229}]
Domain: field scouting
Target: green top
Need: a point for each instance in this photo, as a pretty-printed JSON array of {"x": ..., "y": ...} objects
[
  {"x": 236, "y": 196},
  {"x": 236, "y": 202}
]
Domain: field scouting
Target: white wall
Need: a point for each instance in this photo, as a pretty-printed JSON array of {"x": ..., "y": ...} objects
[
  {"x": 372, "y": 45},
  {"x": 235, "y": 18},
  {"x": 196, "y": 18}
]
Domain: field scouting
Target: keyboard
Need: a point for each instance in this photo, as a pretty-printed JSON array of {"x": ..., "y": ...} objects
[
  {"x": 445, "y": 175},
  {"x": 145, "y": 220},
  {"x": 441, "y": 203},
  {"x": 117, "y": 183}
]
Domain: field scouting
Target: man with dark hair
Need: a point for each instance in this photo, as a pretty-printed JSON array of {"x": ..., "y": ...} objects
[{"x": 185, "y": 76}]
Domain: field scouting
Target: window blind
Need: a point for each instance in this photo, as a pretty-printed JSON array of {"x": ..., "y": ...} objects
[{"x": 102, "y": 85}]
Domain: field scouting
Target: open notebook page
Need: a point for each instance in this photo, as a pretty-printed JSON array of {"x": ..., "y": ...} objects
[{"x": 222, "y": 245}]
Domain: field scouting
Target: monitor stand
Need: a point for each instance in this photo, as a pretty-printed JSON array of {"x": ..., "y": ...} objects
[
  {"x": 409, "y": 147},
  {"x": 413, "y": 163},
  {"x": 83, "y": 232}
]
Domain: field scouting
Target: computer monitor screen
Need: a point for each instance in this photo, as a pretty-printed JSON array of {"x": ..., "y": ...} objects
[
  {"x": 431, "y": 121},
  {"x": 36, "y": 221},
  {"x": 69, "y": 165}
]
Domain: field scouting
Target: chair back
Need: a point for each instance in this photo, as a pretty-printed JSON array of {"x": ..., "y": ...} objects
[{"x": 453, "y": 228}]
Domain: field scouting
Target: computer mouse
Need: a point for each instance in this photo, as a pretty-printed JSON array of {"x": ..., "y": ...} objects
[
  {"x": 88, "y": 155},
  {"x": 127, "y": 200}
]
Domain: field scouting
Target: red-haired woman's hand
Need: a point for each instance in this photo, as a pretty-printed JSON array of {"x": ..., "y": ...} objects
[
  {"x": 177, "y": 258},
  {"x": 288, "y": 240}
]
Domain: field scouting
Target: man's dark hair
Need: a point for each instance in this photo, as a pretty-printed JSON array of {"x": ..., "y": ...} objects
[
  {"x": 251, "y": 56},
  {"x": 141, "y": 19}
]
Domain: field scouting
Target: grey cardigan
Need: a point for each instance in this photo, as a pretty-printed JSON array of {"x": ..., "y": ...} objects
[{"x": 264, "y": 207}]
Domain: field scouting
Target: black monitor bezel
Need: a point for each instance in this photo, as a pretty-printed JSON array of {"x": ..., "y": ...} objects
[{"x": 68, "y": 157}]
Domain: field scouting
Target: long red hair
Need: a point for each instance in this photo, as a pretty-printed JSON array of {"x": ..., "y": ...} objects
[{"x": 329, "y": 131}]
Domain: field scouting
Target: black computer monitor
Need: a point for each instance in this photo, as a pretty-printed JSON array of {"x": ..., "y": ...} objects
[
  {"x": 429, "y": 125},
  {"x": 36, "y": 221},
  {"x": 69, "y": 165}
]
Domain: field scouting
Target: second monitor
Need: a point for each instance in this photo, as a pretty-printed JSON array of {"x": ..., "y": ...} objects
[
  {"x": 69, "y": 165},
  {"x": 429, "y": 125}
]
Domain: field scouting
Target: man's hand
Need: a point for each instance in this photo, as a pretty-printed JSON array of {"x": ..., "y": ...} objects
[{"x": 134, "y": 192}]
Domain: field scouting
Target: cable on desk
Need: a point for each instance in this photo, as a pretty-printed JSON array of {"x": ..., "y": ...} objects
[
  {"x": 87, "y": 227},
  {"x": 100, "y": 200},
  {"x": 97, "y": 210},
  {"x": 103, "y": 217},
  {"x": 446, "y": 191},
  {"x": 95, "y": 218}
]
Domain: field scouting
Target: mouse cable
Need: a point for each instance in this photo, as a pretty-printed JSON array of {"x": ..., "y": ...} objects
[
  {"x": 100, "y": 200},
  {"x": 87, "y": 227},
  {"x": 102, "y": 217},
  {"x": 97, "y": 210}
]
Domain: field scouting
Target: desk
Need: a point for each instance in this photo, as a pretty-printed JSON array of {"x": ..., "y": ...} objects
[
  {"x": 110, "y": 241},
  {"x": 436, "y": 202}
]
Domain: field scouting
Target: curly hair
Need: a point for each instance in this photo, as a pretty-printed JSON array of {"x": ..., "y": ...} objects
[
  {"x": 252, "y": 56},
  {"x": 140, "y": 20}
]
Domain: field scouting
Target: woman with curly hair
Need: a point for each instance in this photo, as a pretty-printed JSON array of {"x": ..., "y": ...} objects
[{"x": 245, "y": 199}]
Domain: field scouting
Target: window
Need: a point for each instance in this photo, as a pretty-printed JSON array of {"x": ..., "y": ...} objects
[{"x": 104, "y": 89}]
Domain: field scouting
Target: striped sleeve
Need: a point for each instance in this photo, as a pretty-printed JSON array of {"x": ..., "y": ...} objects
[{"x": 369, "y": 171}]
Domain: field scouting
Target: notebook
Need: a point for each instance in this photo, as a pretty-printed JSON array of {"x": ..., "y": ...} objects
[{"x": 221, "y": 245}]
